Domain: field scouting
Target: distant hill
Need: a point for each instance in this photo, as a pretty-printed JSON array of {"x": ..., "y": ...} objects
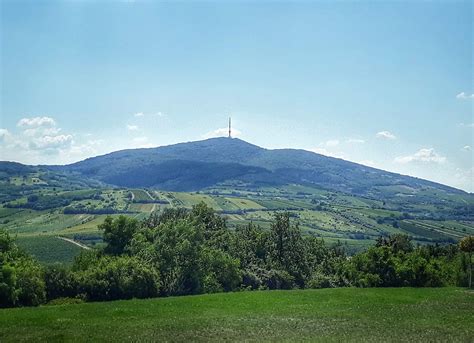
[{"x": 197, "y": 165}]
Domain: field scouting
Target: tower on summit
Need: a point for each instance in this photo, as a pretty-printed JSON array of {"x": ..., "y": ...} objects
[{"x": 230, "y": 129}]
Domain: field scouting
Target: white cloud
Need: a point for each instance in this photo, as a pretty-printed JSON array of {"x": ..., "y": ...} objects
[
  {"x": 132, "y": 127},
  {"x": 222, "y": 132},
  {"x": 141, "y": 114},
  {"x": 385, "y": 135},
  {"x": 355, "y": 141},
  {"x": 52, "y": 142},
  {"x": 332, "y": 143},
  {"x": 36, "y": 121},
  {"x": 423, "y": 155},
  {"x": 5, "y": 135},
  {"x": 41, "y": 131},
  {"x": 467, "y": 148},
  {"x": 464, "y": 96},
  {"x": 38, "y": 140},
  {"x": 470, "y": 125}
]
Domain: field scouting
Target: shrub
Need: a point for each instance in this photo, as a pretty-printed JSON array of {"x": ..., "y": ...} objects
[
  {"x": 65, "y": 301},
  {"x": 280, "y": 279},
  {"x": 30, "y": 282},
  {"x": 21, "y": 277},
  {"x": 122, "y": 277},
  {"x": 60, "y": 282}
]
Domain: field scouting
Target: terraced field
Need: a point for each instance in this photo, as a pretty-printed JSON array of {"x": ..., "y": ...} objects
[
  {"x": 336, "y": 217},
  {"x": 49, "y": 249}
]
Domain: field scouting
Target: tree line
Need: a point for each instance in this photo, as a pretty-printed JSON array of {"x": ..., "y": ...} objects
[{"x": 180, "y": 252}]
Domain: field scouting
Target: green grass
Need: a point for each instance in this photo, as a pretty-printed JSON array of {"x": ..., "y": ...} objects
[{"x": 403, "y": 315}]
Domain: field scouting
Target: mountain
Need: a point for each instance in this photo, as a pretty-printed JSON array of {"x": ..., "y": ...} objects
[{"x": 197, "y": 165}]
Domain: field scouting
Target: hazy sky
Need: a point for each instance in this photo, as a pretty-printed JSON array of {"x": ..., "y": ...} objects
[{"x": 384, "y": 84}]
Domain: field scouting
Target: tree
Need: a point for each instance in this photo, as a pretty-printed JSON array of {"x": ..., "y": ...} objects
[
  {"x": 397, "y": 242},
  {"x": 8, "y": 290},
  {"x": 467, "y": 245},
  {"x": 174, "y": 247},
  {"x": 30, "y": 282},
  {"x": 249, "y": 245},
  {"x": 215, "y": 229},
  {"x": 287, "y": 248},
  {"x": 118, "y": 277},
  {"x": 220, "y": 271},
  {"x": 21, "y": 277},
  {"x": 60, "y": 282},
  {"x": 118, "y": 233}
]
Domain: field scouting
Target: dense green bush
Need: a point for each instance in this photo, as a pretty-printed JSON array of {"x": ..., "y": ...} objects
[
  {"x": 221, "y": 271},
  {"x": 118, "y": 277},
  {"x": 60, "y": 282},
  {"x": 21, "y": 277},
  {"x": 396, "y": 262}
]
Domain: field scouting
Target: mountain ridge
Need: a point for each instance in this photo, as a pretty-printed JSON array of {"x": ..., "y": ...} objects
[
  {"x": 284, "y": 165},
  {"x": 216, "y": 160}
]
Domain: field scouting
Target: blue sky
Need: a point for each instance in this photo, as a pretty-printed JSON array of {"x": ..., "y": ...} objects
[{"x": 387, "y": 84}]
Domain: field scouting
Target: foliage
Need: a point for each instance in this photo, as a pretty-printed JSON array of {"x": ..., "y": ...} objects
[
  {"x": 60, "y": 282},
  {"x": 118, "y": 233},
  {"x": 396, "y": 263},
  {"x": 467, "y": 245},
  {"x": 287, "y": 250},
  {"x": 183, "y": 246},
  {"x": 118, "y": 277},
  {"x": 21, "y": 277}
]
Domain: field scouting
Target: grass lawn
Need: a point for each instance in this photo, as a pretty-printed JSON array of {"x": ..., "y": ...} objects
[{"x": 403, "y": 314}]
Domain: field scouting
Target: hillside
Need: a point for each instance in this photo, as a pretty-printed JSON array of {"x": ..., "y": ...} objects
[
  {"x": 350, "y": 314},
  {"x": 240, "y": 181},
  {"x": 197, "y": 165}
]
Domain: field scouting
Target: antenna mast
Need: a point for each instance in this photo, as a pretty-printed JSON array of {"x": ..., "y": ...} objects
[{"x": 230, "y": 130}]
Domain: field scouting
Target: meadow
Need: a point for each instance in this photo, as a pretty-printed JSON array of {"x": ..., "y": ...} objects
[{"x": 334, "y": 315}]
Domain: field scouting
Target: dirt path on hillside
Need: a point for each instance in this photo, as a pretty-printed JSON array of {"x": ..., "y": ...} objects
[
  {"x": 74, "y": 242},
  {"x": 151, "y": 198}
]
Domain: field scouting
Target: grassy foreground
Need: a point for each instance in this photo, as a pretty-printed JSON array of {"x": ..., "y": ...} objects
[{"x": 403, "y": 314}]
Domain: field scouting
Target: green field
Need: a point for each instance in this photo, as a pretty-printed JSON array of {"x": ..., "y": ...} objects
[
  {"x": 42, "y": 207},
  {"x": 338, "y": 315},
  {"x": 49, "y": 249}
]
